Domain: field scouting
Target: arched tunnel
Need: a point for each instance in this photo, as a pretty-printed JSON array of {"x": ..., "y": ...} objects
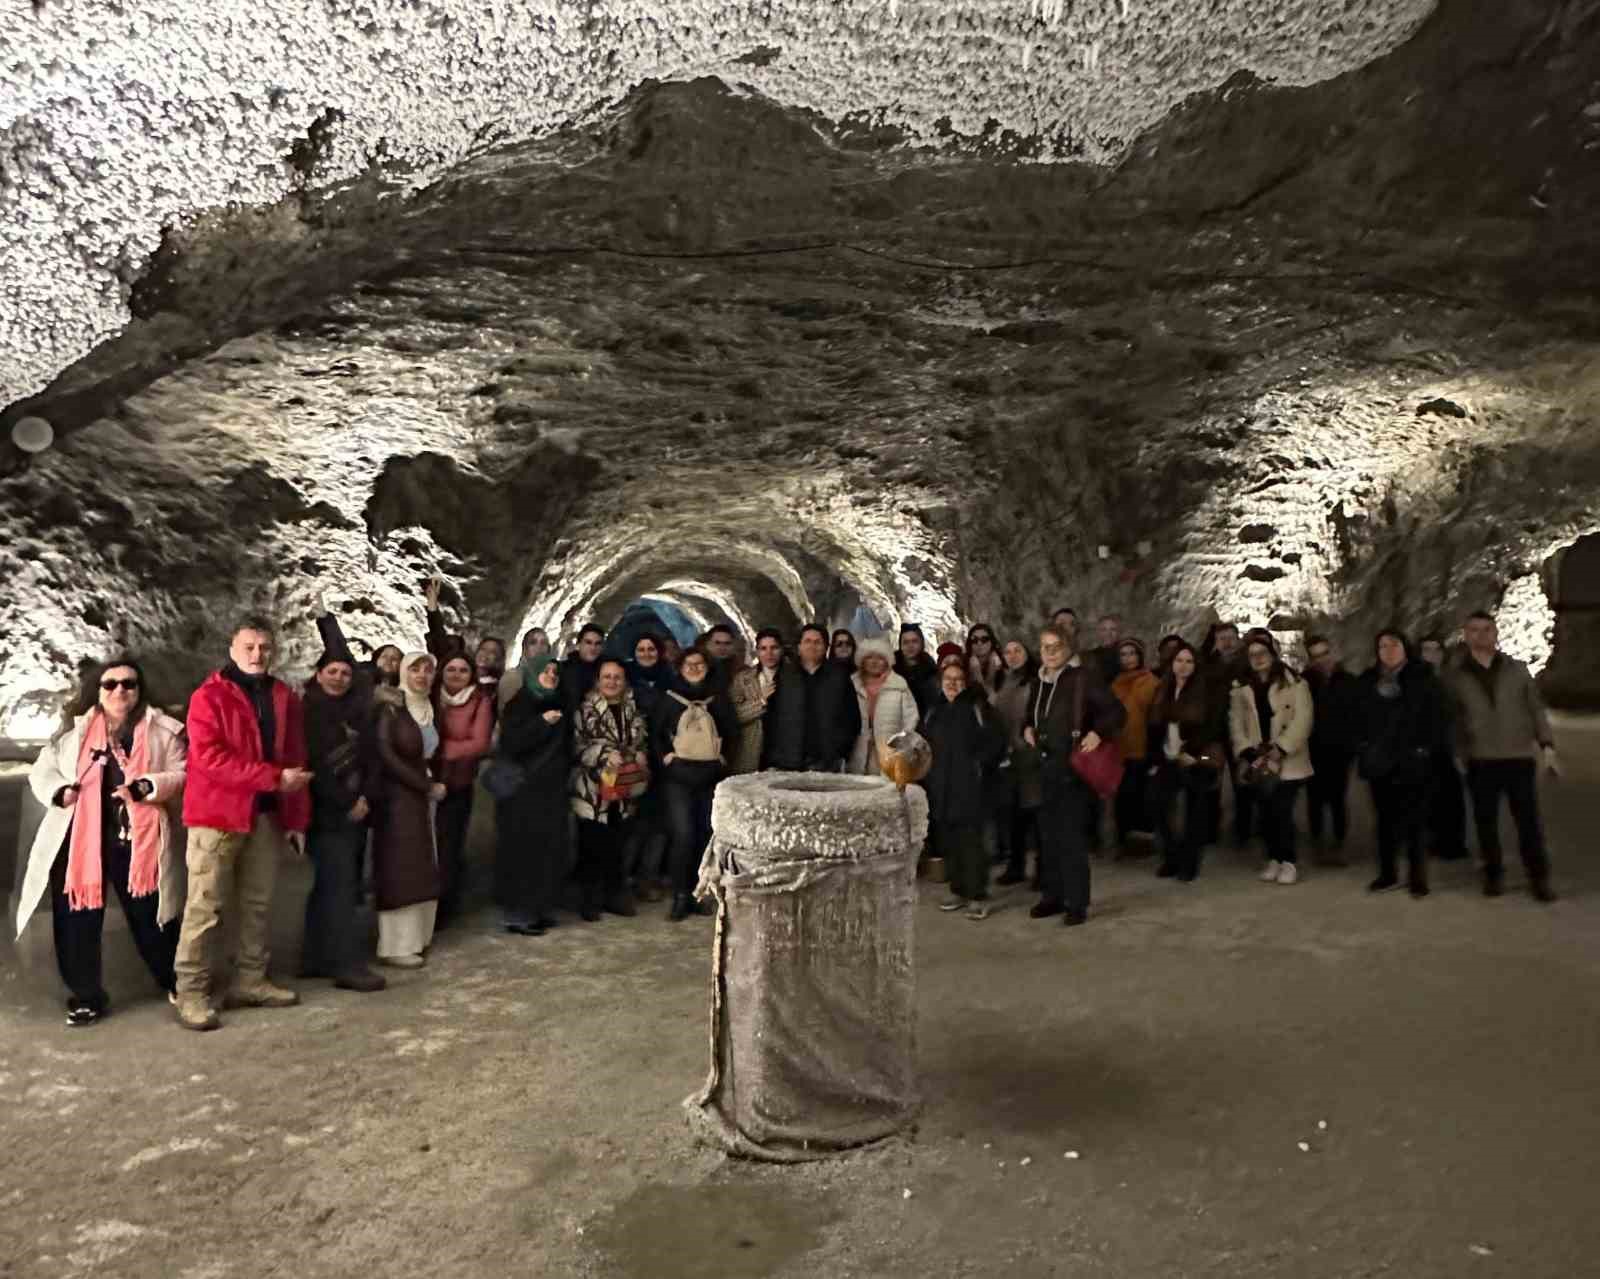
[{"x": 950, "y": 312}]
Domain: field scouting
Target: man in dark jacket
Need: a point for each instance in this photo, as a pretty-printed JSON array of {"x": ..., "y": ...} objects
[
  {"x": 1056, "y": 728},
  {"x": 813, "y": 718},
  {"x": 1334, "y": 729},
  {"x": 582, "y": 665}
]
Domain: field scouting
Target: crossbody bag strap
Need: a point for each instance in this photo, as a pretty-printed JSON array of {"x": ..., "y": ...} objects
[{"x": 1077, "y": 704}]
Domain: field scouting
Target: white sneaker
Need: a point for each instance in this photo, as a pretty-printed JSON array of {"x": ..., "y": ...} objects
[
  {"x": 1287, "y": 874},
  {"x": 1269, "y": 872}
]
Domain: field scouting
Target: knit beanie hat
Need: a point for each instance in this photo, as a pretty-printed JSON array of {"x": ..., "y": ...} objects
[{"x": 874, "y": 646}]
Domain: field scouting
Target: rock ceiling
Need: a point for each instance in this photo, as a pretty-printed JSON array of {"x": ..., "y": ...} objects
[{"x": 320, "y": 305}]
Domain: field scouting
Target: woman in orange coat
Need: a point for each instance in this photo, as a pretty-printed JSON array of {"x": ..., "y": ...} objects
[{"x": 1135, "y": 687}]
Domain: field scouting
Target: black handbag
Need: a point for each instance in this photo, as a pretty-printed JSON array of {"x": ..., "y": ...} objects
[{"x": 502, "y": 777}]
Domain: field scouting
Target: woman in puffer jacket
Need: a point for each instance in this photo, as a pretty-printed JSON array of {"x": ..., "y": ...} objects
[
  {"x": 886, "y": 702},
  {"x": 1269, "y": 719}
]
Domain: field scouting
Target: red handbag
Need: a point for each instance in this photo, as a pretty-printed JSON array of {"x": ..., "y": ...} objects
[{"x": 1101, "y": 768}]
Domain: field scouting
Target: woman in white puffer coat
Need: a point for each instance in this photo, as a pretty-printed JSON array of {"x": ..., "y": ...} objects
[{"x": 886, "y": 702}]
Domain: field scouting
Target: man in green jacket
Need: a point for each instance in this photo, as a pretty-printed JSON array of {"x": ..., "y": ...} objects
[{"x": 1500, "y": 726}]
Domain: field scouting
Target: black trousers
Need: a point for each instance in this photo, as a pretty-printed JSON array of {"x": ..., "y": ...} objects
[
  {"x": 688, "y": 831},
  {"x": 1192, "y": 788},
  {"x": 1024, "y": 833},
  {"x": 1517, "y": 780},
  {"x": 1276, "y": 808},
  {"x": 450, "y": 822},
  {"x": 965, "y": 862},
  {"x": 1063, "y": 842},
  {"x": 1132, "y": 808},
  {"x": 78, "y": 933},
  {"x": 331, "y": 947},
  {"x": 599, "y": 869},
  {"x": 1327, "y": 791},
  {"x": 1402, "y": 809},
  {"x": 1447, "y": 808}
]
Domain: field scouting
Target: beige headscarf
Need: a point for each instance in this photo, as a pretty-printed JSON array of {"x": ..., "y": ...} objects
[{"x": 419, "y": 704}]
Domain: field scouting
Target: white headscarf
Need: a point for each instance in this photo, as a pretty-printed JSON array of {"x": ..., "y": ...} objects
[{"x": 419, "y": 704}]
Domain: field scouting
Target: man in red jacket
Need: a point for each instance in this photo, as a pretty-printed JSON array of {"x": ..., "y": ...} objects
[{"x": 245, "y": 796}]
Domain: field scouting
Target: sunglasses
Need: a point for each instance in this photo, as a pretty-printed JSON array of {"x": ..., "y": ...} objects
[
  {"x": 126, "y": 685},
  {"x": 983, "y": 639}
]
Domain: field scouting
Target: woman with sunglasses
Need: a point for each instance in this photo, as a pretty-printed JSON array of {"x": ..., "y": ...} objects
[
  {"x": 842, "y": 651},
  {"x": 107, "y": 779}
]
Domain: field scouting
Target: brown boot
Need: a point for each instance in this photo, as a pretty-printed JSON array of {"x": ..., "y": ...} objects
[
  {"x": 260, "y": 994},
  {"x": 195, "y": 1012}
]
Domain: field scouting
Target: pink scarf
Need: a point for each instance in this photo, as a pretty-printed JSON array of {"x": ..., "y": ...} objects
[{"x": 85, "y": 890}]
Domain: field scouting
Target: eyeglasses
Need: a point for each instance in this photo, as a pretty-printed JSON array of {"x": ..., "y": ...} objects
[
  {"x": 126, "y": 685},
  {"x": 1050, "y": 648}
]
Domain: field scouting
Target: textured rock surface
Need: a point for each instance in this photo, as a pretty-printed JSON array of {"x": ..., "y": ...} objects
[{"x": 1300, "y": 353}]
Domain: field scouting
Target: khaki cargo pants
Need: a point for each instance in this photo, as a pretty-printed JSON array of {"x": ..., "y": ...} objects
[{"x": 228, "y": 872}]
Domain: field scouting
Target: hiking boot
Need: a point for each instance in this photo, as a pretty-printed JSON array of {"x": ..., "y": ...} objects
[
  {"x": 1044, "y": 908},
  {"x": 362, "y": 979},
  {"x": 260, "y": 994},
  {"x": 194, "y": 1012}
]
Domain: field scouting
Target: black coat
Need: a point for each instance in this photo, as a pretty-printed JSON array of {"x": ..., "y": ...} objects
[
  {"x": 812, "y": 719},
  {"x": 1336, "y": 722},
  {"x": 968, "y": 740},
  {"x": 1201, "y": 712},
  {"x": 1396, "y": 737},
  {"x": 693, "y": 773},
  {"x": 923, "y": 677},
  {"x": 648, "y": 684},
  {"x": 342, "y": 753},
  {"x": 533, "y": 825},
  {"x": 577, "y": 680},
  {"x": 1050, "y": 715}
]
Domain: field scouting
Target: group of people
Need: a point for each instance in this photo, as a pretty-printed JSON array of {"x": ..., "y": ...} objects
[{"x": 602, "y": 770}]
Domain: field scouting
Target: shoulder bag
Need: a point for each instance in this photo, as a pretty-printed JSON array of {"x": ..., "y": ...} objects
[{"x": 1101, "y": 768}]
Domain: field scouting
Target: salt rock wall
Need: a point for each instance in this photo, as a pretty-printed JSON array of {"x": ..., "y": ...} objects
[{"x": 1318, "y": 356}]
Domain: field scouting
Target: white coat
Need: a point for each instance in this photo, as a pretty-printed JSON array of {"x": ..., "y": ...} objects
[
  {"x": 896, "y": 713},
  {"x": 57, "y": 766},
  {"x": 1291, "y": 724}
]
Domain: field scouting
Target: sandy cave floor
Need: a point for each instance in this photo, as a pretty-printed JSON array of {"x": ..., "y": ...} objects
[{"x": 514, "y": 1108}]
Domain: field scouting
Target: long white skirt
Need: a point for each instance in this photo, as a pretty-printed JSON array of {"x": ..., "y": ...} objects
[{"x": 405, "y": 931}]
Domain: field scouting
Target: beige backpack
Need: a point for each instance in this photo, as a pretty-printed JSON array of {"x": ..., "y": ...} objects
[{"x": 696, "y": 737}]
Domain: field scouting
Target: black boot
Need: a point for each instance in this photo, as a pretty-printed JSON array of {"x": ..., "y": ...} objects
[
  {"x": 682, "y": 907},
  {"x": 1493, "y": 881},
  {"x": 1044, "y": 908}
]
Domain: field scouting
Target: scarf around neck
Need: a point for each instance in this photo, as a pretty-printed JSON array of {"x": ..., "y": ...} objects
[
  {"x": 85, "y": 885},
  {"x": 420, "y": 705},
  {"x": 532, "y": 668}
]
